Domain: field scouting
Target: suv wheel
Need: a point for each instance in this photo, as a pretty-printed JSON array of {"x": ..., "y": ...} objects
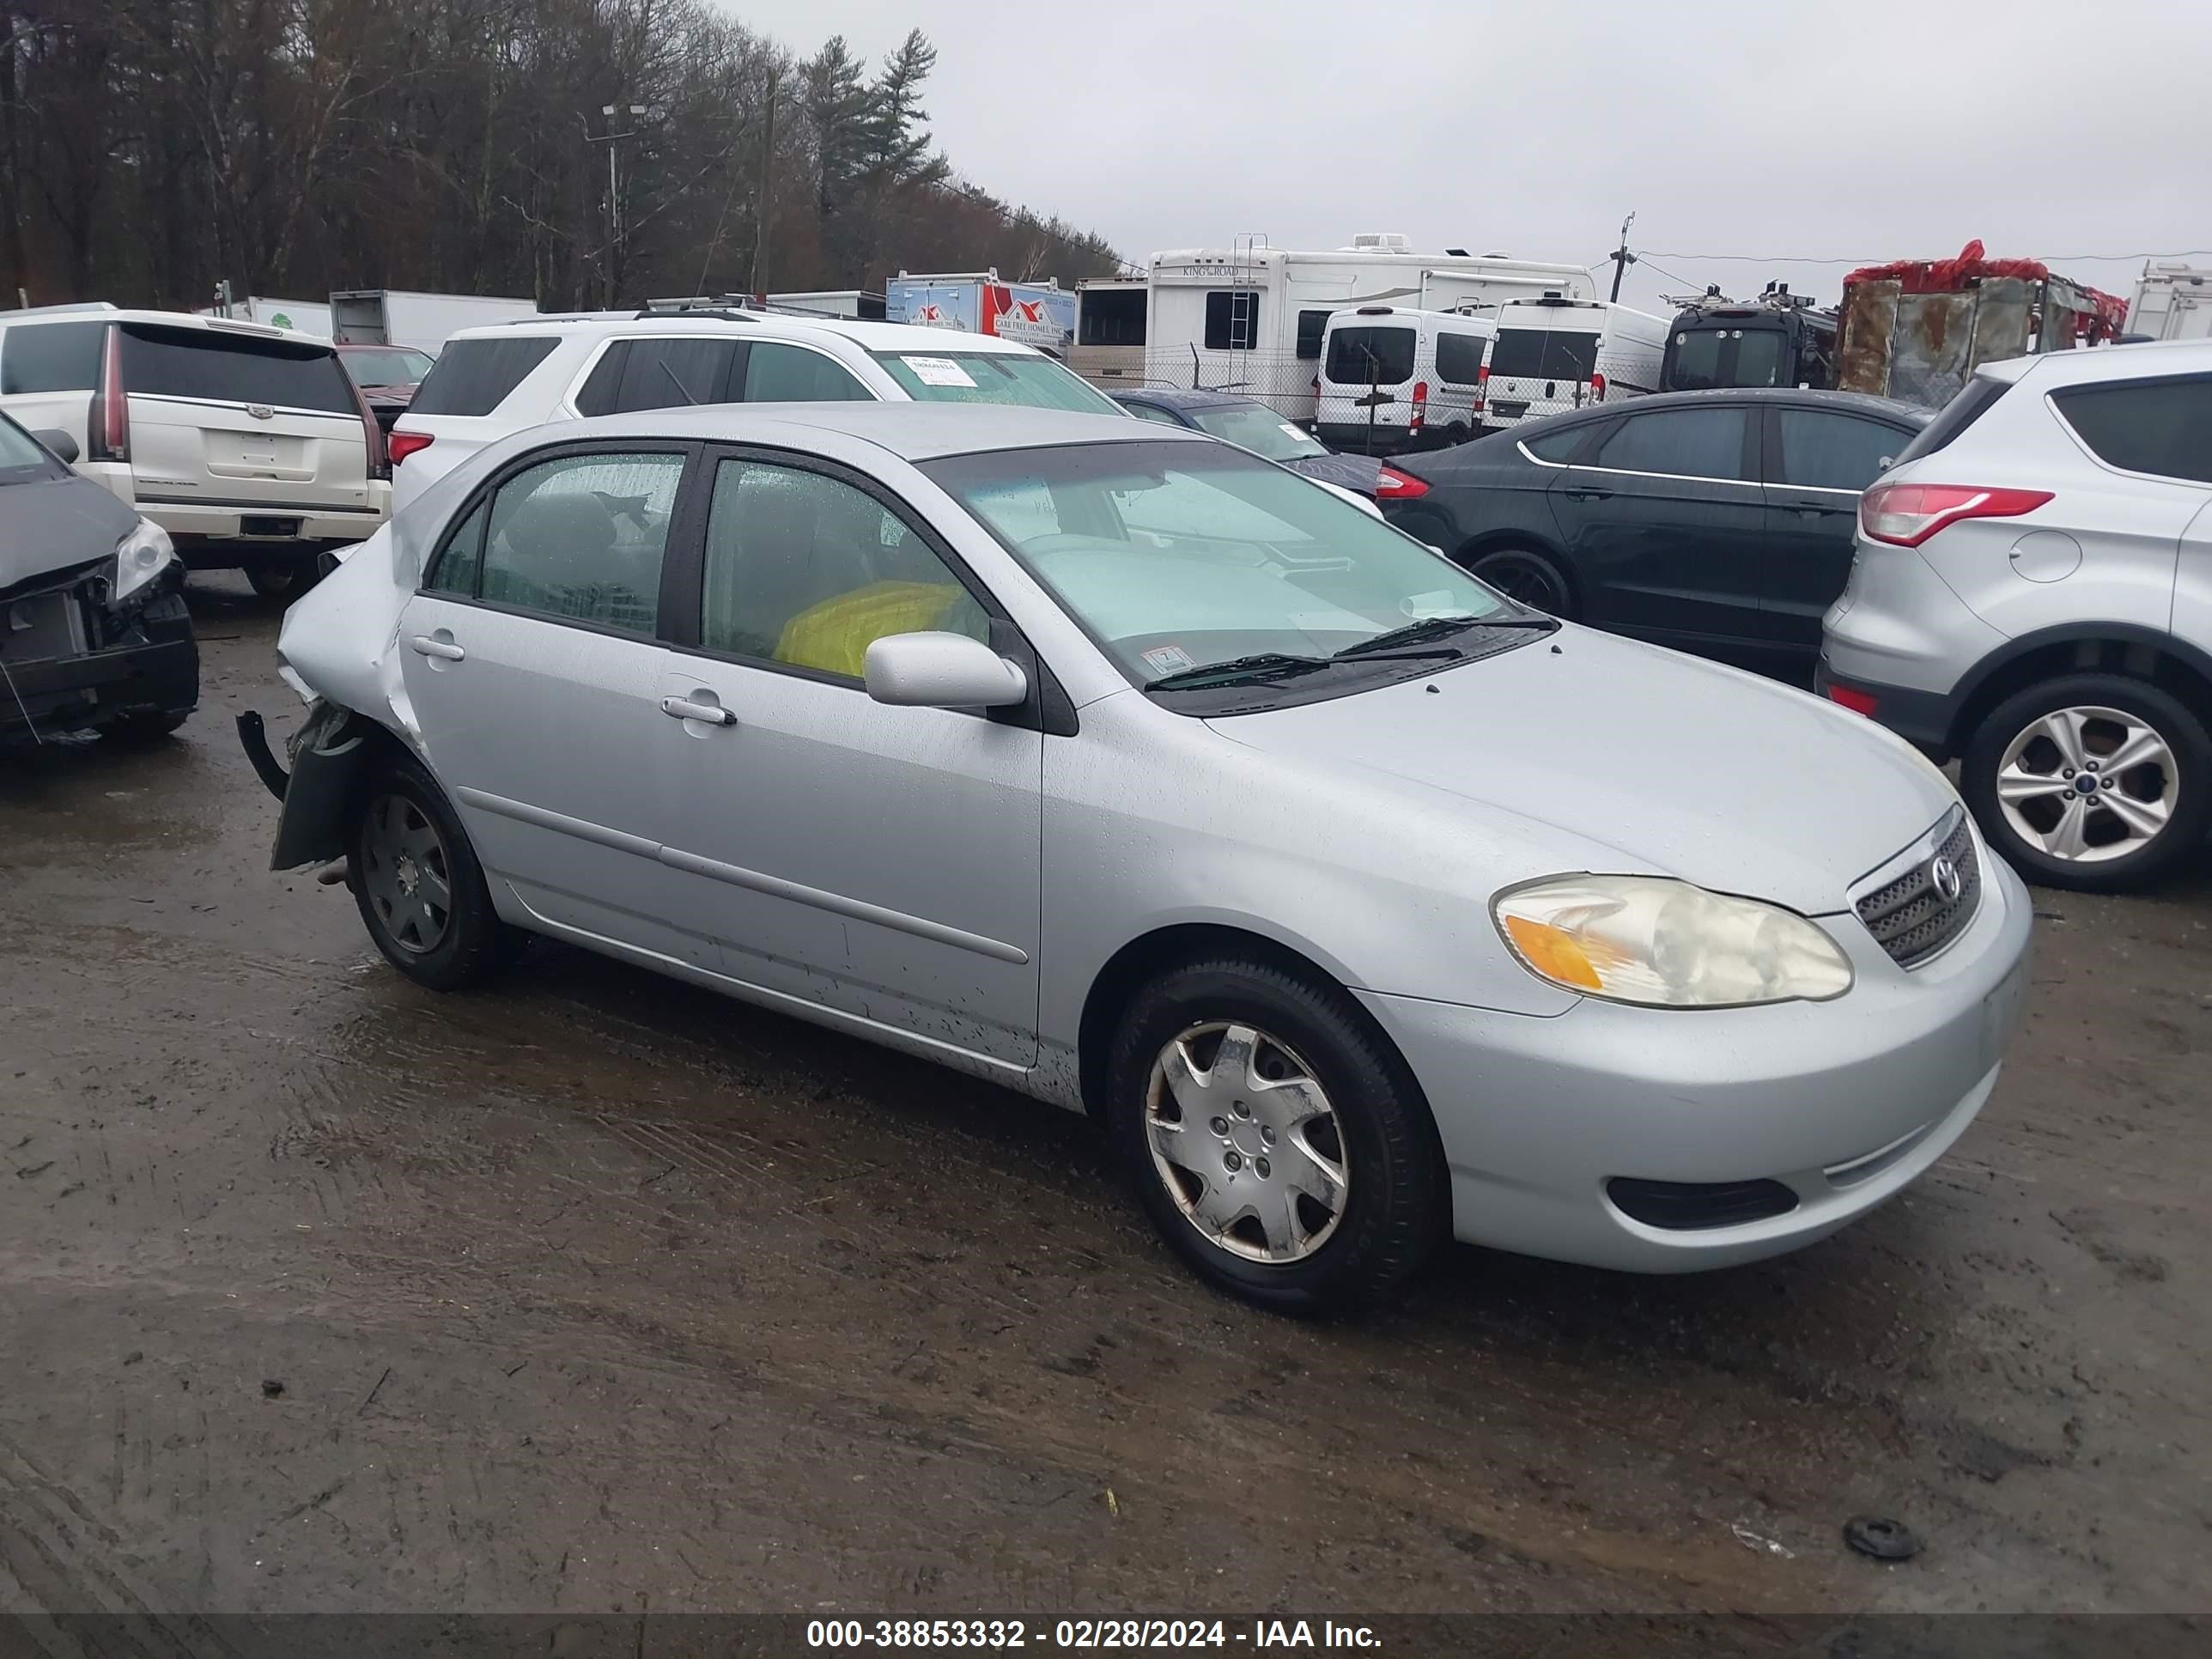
[
  {"x": 2095, "y": 781},
  {"x": 1282, "y": 1151},
  {"x": 418, "y": 885}
]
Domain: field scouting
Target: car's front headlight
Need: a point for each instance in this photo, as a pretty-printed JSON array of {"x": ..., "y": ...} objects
[
  {"x": 139, "y": 557},
  {"x": 1668, "y": 944}
]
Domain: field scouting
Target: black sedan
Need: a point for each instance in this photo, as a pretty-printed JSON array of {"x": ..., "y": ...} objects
[
  {"x": 93, "y": 634},
  {"x": 1250, "y": 424},
  {"x": 1717, "y": 522}
]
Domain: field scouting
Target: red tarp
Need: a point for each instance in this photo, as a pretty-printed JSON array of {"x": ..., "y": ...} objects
[{"x": 1948, "y": 276}]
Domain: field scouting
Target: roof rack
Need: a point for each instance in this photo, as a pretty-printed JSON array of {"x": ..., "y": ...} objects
[
  {"x": 649, "y": 314},
  {"x": 59, "y": 310}
]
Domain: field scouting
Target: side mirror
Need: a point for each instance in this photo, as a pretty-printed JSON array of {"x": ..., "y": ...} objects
[
  {"x": 940, "y": 671},
  {"x": 60, "y": 442}
]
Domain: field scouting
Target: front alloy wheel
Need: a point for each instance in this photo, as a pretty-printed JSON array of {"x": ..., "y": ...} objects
[{"x": 1246, "y": 1142}]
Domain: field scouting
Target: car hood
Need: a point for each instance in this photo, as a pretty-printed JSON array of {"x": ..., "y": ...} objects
[
  {"x": 1650, "y": 763},
  {"x": 1354, "y": 472},
  {"x": 57, "y": 523}
]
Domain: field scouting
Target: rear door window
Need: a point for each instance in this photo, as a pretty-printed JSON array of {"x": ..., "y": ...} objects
[
  {"x": 473, "y": 377},
  {"x": 50, "y": 357},
  {"x": 210, "y": 367},
  {"x": 1822, "y": 450},
  {"x": 1459, "y": 358},
  {"x": 670, "y": 375},
  {"x": 1358, "y": 357},
  {"x": 581, "y": 539},
  {"x": 1681, "y": 443},
  {"x": 1550, "y": 354},
  {"x": 2160, "y": 427},
  {"x": 792, "y": 375}
]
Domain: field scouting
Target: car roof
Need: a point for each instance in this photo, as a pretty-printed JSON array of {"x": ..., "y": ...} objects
[
  {"x": 765, "y": 325},
  {"x": 105, "y": 313},
  {"x": 2139, "y": 360},
  {"x": 1858, "y": 403},
  {"x": 1173, "y": 397},
  {"x": 912, "y": 431}
]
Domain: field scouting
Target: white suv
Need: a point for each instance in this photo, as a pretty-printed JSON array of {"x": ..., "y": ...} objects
[
  {"x": 2033, "y": 592},
  {"x": 248, "y": 444},
  {"x": 506, "y": 377}
]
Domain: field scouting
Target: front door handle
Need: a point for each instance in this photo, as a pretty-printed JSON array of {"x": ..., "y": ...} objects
[
  {"x": 707, "y": 714},
  {"x": 1587, "y": 493},
  {"x": 445, "y": 650}
]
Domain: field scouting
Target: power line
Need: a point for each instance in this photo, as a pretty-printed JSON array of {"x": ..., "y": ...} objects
[
  {"x": 1645, "y": 260},
  {"x": 2047, "y": 259}
]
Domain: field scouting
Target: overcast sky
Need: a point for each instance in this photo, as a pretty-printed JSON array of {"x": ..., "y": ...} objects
[{"x": 2045, "y": 127}]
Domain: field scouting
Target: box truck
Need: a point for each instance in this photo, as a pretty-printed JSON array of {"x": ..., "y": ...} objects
[
  {"x": 2171, "y": 302},
  {"x": 1040, "y": 314},
  {"x": 391, "y": 316}
]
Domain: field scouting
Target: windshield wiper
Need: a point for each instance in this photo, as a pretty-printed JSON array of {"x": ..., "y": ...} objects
[
  {"x": 1439, "y": 627},
  {"x": 1266, "y": 665}
]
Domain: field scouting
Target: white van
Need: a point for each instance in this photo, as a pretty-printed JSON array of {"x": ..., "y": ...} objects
[
  {"x": 249, "y": 444},
  {"x": 1394, "y": 378},
  {"x": 1557, "y": 354}
]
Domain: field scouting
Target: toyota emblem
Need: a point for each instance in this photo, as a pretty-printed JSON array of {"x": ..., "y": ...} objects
[
  {"x": 1948, "y": 881},
  {"x": 261, "y": 411}
]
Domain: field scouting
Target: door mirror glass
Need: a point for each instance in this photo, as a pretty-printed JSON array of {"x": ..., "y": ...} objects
[
  {"x": 940, "y": 671},
  {"x": 63, "y": 445}
]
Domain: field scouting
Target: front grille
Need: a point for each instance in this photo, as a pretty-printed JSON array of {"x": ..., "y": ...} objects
[
  {"x": 42, "y": 627},
  {"x": 1912, "y": 918}
]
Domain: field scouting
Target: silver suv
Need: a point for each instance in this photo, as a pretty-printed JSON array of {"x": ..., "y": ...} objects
[{"x": 2032, "y": 593}]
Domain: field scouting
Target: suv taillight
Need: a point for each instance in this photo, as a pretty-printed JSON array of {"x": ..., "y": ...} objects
[
  {"x": 1907, "y": 514},
  {"x": 1597, "y": 387},
  {"x": 404, "y": 444},
  {"x": 1481, "y": 385},
  {"x": 1392, "y": 485},
  {"x": 379, "y": 457},
  {"x": 1420, "y": 404},
  {"x": 107, "y": 432}
]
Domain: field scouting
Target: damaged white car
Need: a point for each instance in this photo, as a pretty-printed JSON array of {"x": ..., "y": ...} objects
[{"x": 1124, "y": 768}]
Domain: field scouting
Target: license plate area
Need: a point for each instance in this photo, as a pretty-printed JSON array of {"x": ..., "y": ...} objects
[
  {"x": 274, "y": 529},
  {"x": 1509, "y": 412}
]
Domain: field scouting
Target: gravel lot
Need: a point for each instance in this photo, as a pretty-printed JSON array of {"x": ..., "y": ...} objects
[{"x": 595, "y": 1292}]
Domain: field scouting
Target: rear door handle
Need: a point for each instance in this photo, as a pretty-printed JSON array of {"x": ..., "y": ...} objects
[
  {"x": 707, "y": 714},
  {"x": 1586, "y": 494},
  {"x": 424, "y": 646}
]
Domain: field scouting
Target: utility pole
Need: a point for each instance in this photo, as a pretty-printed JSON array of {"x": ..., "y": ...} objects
[
  {"x": 613, "y": 141},
  {"x": 756, "y": 275},
  {"x": 1622, "y": 259}
]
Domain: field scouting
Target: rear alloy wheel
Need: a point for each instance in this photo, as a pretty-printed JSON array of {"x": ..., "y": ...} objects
[
  {"x": 418, "y": 886},
  {"x": 1526, "y": 578},
  {"x": 2095, "y": 781},
  {"x": 1281, "y": 1147}
]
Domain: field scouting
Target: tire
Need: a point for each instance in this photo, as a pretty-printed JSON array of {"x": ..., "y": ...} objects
[
  {"x": 2138, "y": 828},
  {"x": 144, "y": 727},
  {"x": 281, "y": 579},
  {"x": 1375, "y": 1146},
  {"x": 1527, "y": 577},
  {"x": 408, "y": 851}
]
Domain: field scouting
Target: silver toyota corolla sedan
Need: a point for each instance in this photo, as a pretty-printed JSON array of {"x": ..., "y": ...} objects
[{"x": 1127, "y": 769}]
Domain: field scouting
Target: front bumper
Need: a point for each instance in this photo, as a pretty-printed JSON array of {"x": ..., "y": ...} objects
[
  {"x": 154, "y": 669},
  {"x": 1844, "y": 1103}
]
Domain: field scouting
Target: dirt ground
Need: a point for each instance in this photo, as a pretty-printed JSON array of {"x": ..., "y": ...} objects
[{"x": 595, "y": 1292}]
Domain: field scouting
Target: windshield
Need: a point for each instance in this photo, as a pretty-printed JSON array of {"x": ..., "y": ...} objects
[
  {"x": 1703, "y": 359},
  {"x": 1257, "y": 428},
  {"x": 21, "y": 460},
  {"x": 1181, "y": 557},
  {"x": 387, "y": 365},
  {"x": 954, "y": 376}
]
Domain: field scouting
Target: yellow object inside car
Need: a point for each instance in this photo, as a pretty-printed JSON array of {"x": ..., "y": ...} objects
[{"x": 834, "y": 636}]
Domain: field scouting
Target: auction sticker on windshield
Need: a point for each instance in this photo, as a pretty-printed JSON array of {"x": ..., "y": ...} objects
[
  {"x": 1168, "y": 659},
  {"x": 938, "y": 371}
]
